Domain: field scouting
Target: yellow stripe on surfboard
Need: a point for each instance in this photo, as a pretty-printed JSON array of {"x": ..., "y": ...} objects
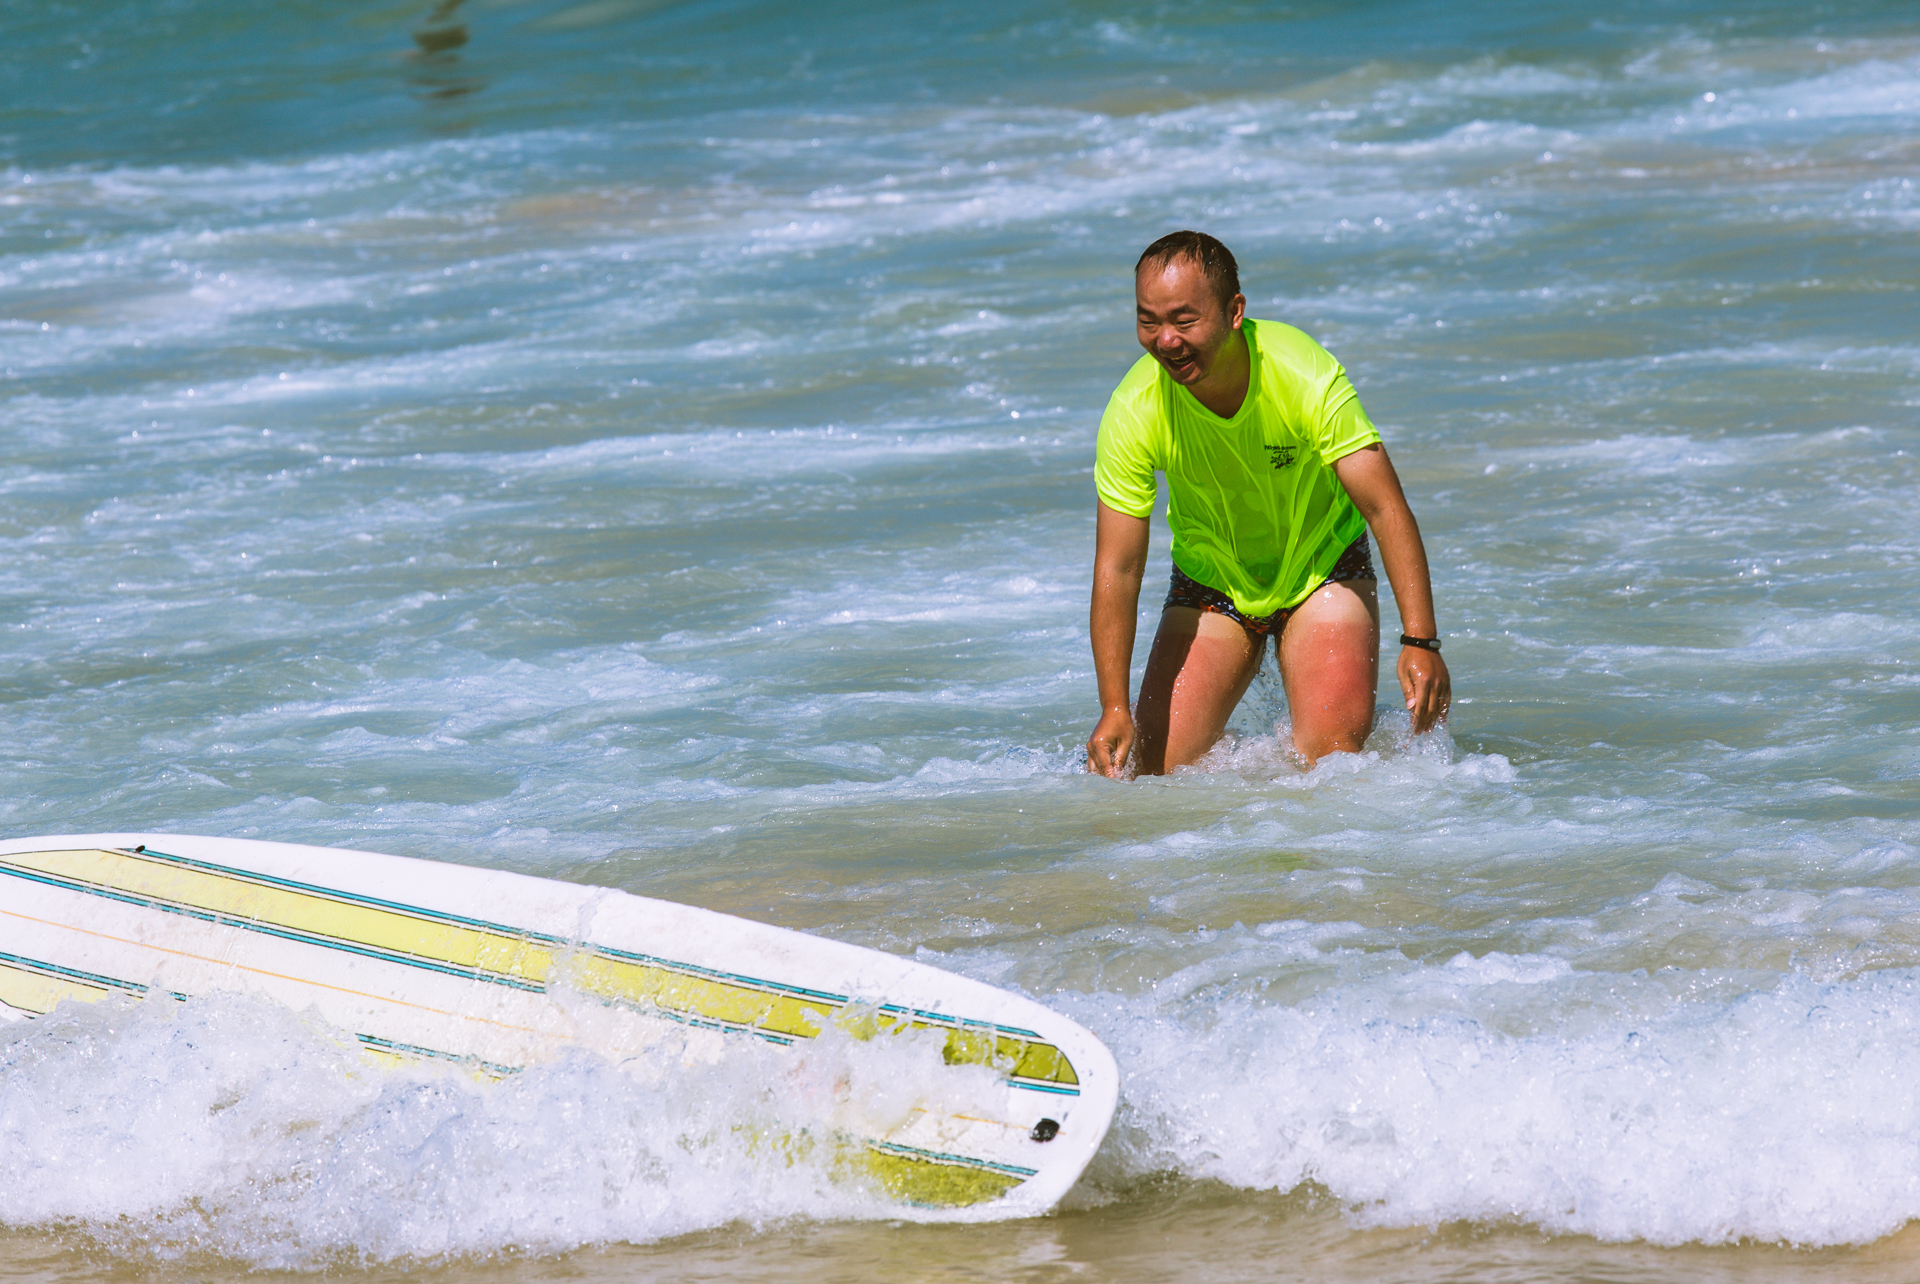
[
  {"x": 29, "y": 990},
  {"x": 520, "y": 960},
  {"x": 236, "y": 897}
]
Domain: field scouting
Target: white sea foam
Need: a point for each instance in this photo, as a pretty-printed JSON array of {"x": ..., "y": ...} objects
[
  {"x": 1780, "y": 1115},
  {"x": 273, "y": 1142},
  {"x": 1479, "y": 136},
  {"x": 1631, "y": 1111},
  {"x": 1865, "y": 90}
]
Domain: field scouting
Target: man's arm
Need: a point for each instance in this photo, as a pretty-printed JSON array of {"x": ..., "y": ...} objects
[
  {"x": 1119, "y": 562},
  {"x": 1368, "y": 475}
]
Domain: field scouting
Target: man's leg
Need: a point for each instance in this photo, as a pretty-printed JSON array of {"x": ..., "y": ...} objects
[
  {"x": 1199, "y": 668},
  {"x": 1330, "y": 665}
]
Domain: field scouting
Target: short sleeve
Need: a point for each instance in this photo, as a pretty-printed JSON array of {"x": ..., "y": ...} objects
[
  {"x": 1124, "y": 463},
  {"x": 1342, "y": 426}
]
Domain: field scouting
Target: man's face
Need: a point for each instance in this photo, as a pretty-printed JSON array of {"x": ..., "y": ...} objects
[{"x": 1181, "y": 321}]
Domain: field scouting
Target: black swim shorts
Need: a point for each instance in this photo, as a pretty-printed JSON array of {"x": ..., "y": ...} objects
[{"x": 1354, "y": 564}]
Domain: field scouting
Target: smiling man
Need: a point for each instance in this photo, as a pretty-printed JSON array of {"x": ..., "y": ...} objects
[{"x": 1274, "y": 477}]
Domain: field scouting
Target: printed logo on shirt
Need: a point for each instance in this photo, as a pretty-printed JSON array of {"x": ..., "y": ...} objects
[{"x": 1283, "y": 455}]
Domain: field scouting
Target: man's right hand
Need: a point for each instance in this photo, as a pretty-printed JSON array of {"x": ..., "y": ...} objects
[
  {"x": 1119, "y": 560},
  {"x": 1110, "y": 744}
]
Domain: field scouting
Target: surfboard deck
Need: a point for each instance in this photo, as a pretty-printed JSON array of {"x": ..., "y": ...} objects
[{"x": 421, "y": 960}]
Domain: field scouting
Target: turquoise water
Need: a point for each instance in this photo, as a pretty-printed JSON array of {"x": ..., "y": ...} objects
[{"x": 650, "y": 444}]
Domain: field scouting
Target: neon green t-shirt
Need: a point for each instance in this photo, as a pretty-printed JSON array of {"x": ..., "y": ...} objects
[{"x": 1255, "y": 508}]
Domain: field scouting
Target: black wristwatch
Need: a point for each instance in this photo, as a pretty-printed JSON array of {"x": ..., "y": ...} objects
[{"x": 1425, "y": 644}]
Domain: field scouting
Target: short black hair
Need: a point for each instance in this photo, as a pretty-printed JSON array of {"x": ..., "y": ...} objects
[{"x": 1214, "y": 260}]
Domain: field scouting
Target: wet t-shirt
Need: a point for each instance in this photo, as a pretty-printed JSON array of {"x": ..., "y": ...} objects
[{"x": 1254, "y": 505}]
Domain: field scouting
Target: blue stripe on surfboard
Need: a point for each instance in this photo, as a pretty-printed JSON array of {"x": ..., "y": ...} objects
[
  {"x": 349, "y": 947},
  {"x": 501, "y": 929},
  {"x": 732, "y": 1027},
  {"x": 960, "y": 1161},
  {"x": 965, "y": 1022},
  {"x": 75, "y": 974},
  {"x": 335, "y": 893},
  {"x": 1042, "y": 1085},
  {"x": 415, "y": 1050},
  {"x": 420, "y": 911},
  {"x": 43, "y": 967},
  {"x": 267, "y": 929},
  {"x": 71, "y": 973},
  {"x": 475, "y": 974}
]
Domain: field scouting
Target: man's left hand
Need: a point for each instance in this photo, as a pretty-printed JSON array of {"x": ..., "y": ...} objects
[{"x": 1425, "y": 683}]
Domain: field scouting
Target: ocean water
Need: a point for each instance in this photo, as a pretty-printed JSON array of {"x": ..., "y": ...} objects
[{"x": 650, "y": 444}]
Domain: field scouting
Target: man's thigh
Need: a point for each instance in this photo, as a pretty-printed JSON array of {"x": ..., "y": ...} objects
[
  {"x": 1200, "y": 666},
  {"x": 1330, "y": 666}
]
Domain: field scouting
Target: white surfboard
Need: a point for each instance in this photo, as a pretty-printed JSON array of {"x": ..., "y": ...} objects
[{"x": 421, "y": 960}]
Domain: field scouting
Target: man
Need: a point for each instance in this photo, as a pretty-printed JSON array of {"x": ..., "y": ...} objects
[{"x": 1274, "y": 476}]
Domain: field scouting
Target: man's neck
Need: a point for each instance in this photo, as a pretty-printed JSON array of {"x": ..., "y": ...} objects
[{"x": 1224, "y": 390}]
